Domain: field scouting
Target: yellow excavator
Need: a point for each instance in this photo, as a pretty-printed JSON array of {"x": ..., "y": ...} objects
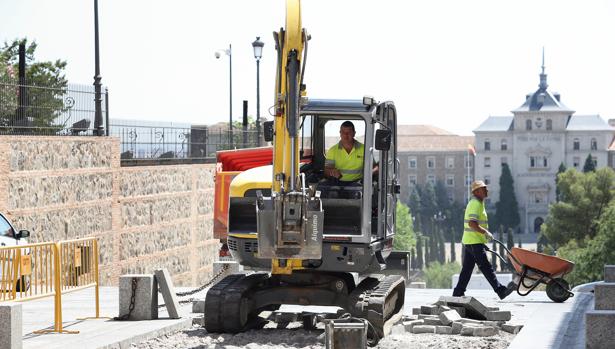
[{"x": 320, "y": 242}]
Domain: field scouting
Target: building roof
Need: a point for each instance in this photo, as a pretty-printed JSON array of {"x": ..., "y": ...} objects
[
  {"x": 420, "y": 130},
  {"x": 541, "y": 99},
  {"x": 588, "y": 123},
  {"x": 496, "y": 124},
  {"x": 427, "y": 143}
]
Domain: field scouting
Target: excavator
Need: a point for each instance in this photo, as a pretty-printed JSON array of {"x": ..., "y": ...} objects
[{"x": 319, "y": 242}]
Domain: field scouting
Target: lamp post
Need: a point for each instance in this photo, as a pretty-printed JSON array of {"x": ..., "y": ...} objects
[
  {"x": 257, "y": 45},
  {"x": 98, "y": 128},
  {"x": 230, "y": 84}
]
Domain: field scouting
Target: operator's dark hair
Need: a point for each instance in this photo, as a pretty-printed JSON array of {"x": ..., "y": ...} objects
[{"x": 348, "y": 124}]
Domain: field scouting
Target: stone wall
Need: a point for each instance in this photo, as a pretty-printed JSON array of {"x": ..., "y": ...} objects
[{"x": 64, "y": 188}]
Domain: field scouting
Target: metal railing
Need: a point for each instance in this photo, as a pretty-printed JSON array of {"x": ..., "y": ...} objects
[{"x": 63, "y": 110}]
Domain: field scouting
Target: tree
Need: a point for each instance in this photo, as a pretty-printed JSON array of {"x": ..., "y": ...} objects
[
  {"x": 428, "y": 208},
  {"x": 519, "y": 243},
  {"x": 413, "y": 260},
  {"x": 438, "y": 275},
  {"x": 414, "y": 203},
  {"x": 584, "y": 198},
  {"x": 507, "y": 209},
  {"x": 405, "y": 239},
  {"x": 560, "y": 170},
  {"x": 46, "y": 81},
  {"x": 441, "y": 248},
  {"x": 419, "y": 253},
  {"x": 589, "y": 165}
]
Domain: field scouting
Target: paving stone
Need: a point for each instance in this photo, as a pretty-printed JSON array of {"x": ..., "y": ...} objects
[
  {"x": 456, "y": 326},
  {"x": 429, "y": 309},
  {"x": 398, "y": 329},
  {"x": 423, "y": 329},
  {"x": 416, "y": 311},
  {"x": 163, "y": 278},
  {"x": 502, "y": 315},
  {"x": 460, "y": 310},
  {"x": 146, "y": 296},
  {"x": 605, "y": 296},
  {"x": 485, "y": 331},
  {"x": 467, "y": 330},
  {"x": 417, "y": 284},
  {"x": 428, "y": 316},
  {"x": 11, "y": 326},
  {"x": 198, "y": 306},
  {"x": 433, "y": 322},
  {"x": 609, "y": 273},
  {"x": 474, "y": 308},
  {"x": 599, "y": 329},
  {"x": 444, "y": 330},
  {"x": 466, "y": 321},
  {"x": 493, "y": 308},
  {"x": 492, "y": 323},
  {"x": 411, "y": 323},
  {"x": 514, "y": 329},
  {"x": 448, "y": 317}
]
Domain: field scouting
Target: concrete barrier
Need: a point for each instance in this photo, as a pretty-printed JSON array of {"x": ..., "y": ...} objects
[
  {"x": 10, "y": 326},
  {"x": 145, "y": 296}
]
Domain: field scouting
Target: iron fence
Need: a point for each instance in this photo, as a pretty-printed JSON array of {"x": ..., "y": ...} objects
[
  {"x": 149, "y": 142},
  {"x": 63, "y": 110}
]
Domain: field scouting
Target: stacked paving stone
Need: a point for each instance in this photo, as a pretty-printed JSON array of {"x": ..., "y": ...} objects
[
  {"x": 464, "y": 316},
  {"x": 600, "y": 322}
]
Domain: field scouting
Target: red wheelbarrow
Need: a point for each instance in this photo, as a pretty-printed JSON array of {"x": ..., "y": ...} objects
[{"x": 534, "y": 268}]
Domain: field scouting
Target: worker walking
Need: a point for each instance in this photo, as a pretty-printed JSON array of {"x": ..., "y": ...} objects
[{"x": 475, "y": 236}]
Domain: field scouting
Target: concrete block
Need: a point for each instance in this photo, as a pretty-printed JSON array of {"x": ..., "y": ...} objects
[
  {"x": 416, "y": 311},
  {"x": 163, "y": 278},
  {"x": 428, "y": 316},
  {"x": 408, "y": 325},
  {"x": 467, "y": 330},
  {"x": 429, "y": 309},
  {"x": 460, "y": 310},
  {"x": 599, "y": 325},
  {"x": 456, "y": 326},
  {"x": 417, "y": 284},
  {"x": 604, "y": 296},
  {"x": 423, "y": 329},
  {"x": 198, "y": 306},
  {"x": 146, "y": 297},
  {"x": 432, "y": 322},
  {"x": 514, "y": 329},
  {"x": 474, "y": 308},
  {"x": 478, "y": 281},
  {"x": 609, "y": 273},
  {"x": 447, "y": 317},
  {"x": 492, "y": 308},
  {"x": 10, "y": 326},
  {"x": 501, "y": 315},
  {"x": 444, "y": 330},
  {"x": 485, "y": 331},
  {"x": 198, "y": 321}
]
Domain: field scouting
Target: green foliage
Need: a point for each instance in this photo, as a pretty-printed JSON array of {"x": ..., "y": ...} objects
[
  {"x": 438, "y": 275},
  {"x": 420, "y": 261},
  {"x": 561, "y": 169},
  {"x": 415, "y": 206},
  {"x": 507, "y": 208},
  {"x": 589, "y": 165},
  {"x": 584, "y": 198},
  {"x": 405, "y": 239}
]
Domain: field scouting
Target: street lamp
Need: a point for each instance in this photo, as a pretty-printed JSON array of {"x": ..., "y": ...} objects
[
  {"x": 257, "y": 45},
  {"x": 230, "y": 84},
  {"x": 98, "y": 128}
]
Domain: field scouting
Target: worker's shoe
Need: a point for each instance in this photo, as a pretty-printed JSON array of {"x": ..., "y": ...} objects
[{"x": 505, "y": 291}]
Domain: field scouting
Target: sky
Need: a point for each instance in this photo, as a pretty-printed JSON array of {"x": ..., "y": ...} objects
[{"x": 446, "y": 63}]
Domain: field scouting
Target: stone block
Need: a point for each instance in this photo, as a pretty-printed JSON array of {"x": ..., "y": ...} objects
[
  {"x": 492, "y": 308},
  {"x": 604, "y": 294},
  {"x": 10, "y": 326},
  {"x": 447, "y": 317},
  {"x": 428, "y": 316},
  {"x": 416, "y": 311},
  {"x": 502, "y": 315},
  {"x": 432, "y": 321},
  {"x": 514, "y": 329},
  {"x": 474, "y": 308},
  {"x": 456, "y": 326},
  {"x": 233, "y": 267},
  {"x": 609, "y": 273},
  {"x": 163, "y": 278},
  {"x": 460, "y": 310},
  {"x": 485, "y": 331},
  {"x": 471, "y": 322},
  {"x": 398, "y": 329},
  {"x": 423, "y": 329},
  {"x": 599, "y": 325},
  {"x": 444, "y": 330},
  {"x": 408, "y": 325},
  {"x": 467, "y": 330},
  {"x": 429, "y": 309},
  {"x": 198, "y": 306},
  {"x": 146, "y": 296},
  {"x": 417, "y": 284}
]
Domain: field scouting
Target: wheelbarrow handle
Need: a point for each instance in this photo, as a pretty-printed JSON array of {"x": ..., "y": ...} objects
[{"x": 507, "y": 251}]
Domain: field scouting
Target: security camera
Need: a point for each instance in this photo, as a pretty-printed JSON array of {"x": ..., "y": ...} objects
[{"x": 217, "y": 54}]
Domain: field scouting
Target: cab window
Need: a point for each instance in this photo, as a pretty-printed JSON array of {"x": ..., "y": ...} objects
[
  {"x": 5, "y": 228},
  {"x": 332, "y": 132}
]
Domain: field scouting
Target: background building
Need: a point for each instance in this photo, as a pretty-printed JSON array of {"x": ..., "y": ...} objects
[{"x": 542, "y": 134}]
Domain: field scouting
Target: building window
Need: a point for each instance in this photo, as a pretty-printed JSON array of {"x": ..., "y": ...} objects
[
  {"x": 450, "y": 162},
  {"x": 450, "y": 180},
  {"x": 549, "y": 124},
  {"x": 594, "y": 144},
  {"x": 576, "y": 162},
  {"x": 412, "y": 162},
  {"x": 487, "y": 180},
  {"x": 431, "y": 162},
  {"x": 431, "y": 179},
  {"x": 487, "y": 144},
  {"x": 451, "y": 196},
  {"x": 576, "y": 145},
  {"x": 412, "y": 180},
  {"x": 528, "y": 125},
  {"x": 538, "y": 162},
  {"x": 504, "y": 160},
  {"x": 487, "y": 161},
  {"x": 468, "y": 180},
  {"x": 538, "y": 197},
  {"x": 504, "y": 145},
  {"x": 467, "y": 161}
]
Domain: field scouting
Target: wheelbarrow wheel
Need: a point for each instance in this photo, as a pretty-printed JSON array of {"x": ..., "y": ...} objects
[{"x": 558, "y": 290}]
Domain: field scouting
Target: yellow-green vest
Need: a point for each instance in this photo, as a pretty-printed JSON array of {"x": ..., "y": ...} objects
[
  {"x": 349, "y": 164},
  {"x": 475, "y": 211}
]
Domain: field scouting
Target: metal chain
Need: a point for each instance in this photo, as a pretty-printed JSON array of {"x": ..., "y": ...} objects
[
  {"x": 131, "y": 307},
  {"x": 222, "y": 271}
]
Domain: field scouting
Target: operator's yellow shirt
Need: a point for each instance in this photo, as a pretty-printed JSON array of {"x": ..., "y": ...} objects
[
  {"x": 349, "y": 164},
  {"x": 475, "y": 211}
]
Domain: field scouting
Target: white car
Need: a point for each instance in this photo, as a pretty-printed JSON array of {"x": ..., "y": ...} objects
[{"x": 9, "y": 236}]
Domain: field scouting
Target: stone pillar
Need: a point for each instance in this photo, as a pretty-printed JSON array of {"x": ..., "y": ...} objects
[
  {"x": 10, "y": 326},
  {"x": 609, "y": 273},
  {"x": 146, "y": 297}
]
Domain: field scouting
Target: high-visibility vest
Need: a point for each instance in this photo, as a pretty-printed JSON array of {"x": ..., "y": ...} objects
[
  {"x": 349, "y": 164},
  {"x": 475, "y": 211}
]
